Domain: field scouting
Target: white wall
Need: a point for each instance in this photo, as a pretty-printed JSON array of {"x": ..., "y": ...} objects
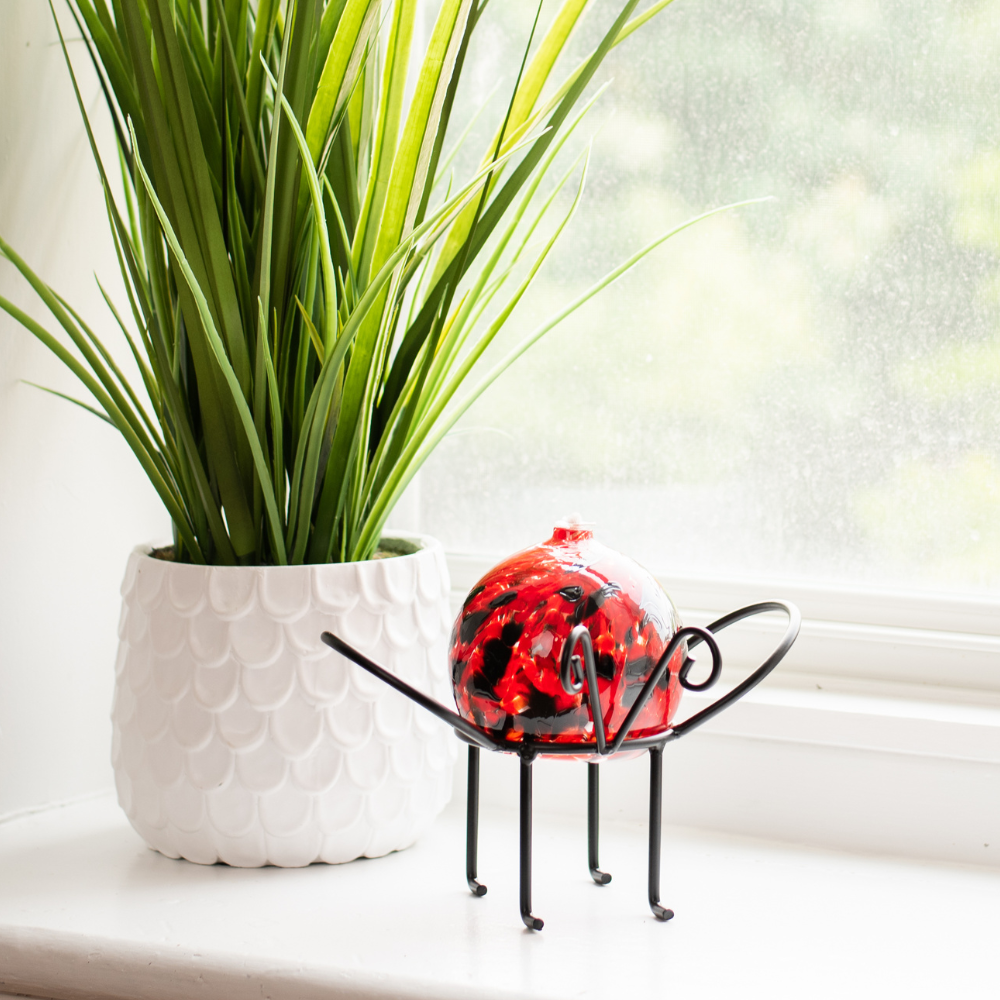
[{"x": 73, "y": 501}]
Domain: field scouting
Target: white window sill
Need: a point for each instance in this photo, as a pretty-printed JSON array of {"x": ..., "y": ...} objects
[{"x": 87, "y": 911}]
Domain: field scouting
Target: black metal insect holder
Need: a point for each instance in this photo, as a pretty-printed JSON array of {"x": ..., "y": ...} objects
[{"x": 577, "y": 671}]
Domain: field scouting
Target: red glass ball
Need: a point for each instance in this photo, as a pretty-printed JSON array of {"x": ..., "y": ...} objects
[{"x": 507, "y": 643}]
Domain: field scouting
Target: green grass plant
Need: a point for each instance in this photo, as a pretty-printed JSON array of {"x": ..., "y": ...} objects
[{"x": 309, "y": 291}]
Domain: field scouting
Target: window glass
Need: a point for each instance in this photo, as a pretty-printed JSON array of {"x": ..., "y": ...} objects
[{"x": 808, "y": 387}]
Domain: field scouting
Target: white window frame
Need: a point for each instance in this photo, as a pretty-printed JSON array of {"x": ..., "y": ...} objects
[
  {"x": 880, "y": 732},
  {"x": 932, "y": 646}
]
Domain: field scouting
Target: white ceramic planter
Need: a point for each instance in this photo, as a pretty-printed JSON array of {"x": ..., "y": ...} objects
[{"x": 240, "y": 737}]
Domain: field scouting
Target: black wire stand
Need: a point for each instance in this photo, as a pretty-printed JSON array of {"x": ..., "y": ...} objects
[{"x": 576, "y": 672}]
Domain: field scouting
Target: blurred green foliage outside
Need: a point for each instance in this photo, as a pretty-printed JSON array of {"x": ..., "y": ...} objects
[{"x": 807, "y": 387}]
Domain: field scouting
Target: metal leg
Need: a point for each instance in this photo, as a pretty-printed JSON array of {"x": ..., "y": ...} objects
[
  {"x": 472, "y": 826},
  {"x": 532, "y": 923},
  {"x": 655, "y": 809},
  {"x": 593, "y": 823}
]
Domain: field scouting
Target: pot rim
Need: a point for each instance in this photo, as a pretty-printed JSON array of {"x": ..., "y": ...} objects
[{"x": 426, "y": 544}]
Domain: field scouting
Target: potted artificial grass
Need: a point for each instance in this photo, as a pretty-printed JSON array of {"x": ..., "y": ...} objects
[{"x": 308, "y": 298}]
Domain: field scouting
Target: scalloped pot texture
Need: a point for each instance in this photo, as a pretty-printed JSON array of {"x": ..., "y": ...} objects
[{"x": 240, "y": 737}]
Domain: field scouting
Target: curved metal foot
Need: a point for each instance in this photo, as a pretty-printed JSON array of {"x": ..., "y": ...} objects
[
  {"x": 655, "y": 810},
  {"x": 593, "y": 824},
  {"x": 472, "y": 826},
  {"x": 533, "y": 923}
]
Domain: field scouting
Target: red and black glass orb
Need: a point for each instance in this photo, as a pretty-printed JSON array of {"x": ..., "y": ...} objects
[
  {"x": 507, "y": 643},
  {"x": 516, "y": 666}
]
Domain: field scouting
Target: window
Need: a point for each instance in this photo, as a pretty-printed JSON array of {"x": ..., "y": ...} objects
[{"x": 806, "y": 389}]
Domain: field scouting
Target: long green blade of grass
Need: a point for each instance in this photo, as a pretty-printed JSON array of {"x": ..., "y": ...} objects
[{"x": 215, "y": 341}]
